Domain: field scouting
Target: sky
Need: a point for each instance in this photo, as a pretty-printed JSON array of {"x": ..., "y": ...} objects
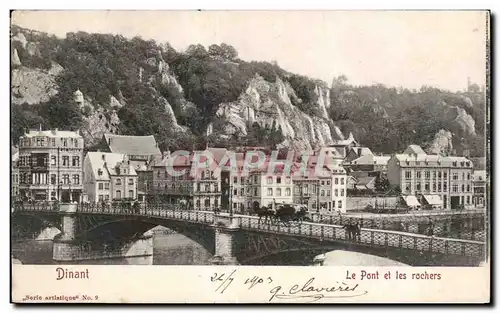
[{"x": 394, "y": 48}]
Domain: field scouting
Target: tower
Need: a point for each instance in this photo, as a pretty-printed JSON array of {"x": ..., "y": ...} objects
[{"x": 78, "y": 97}]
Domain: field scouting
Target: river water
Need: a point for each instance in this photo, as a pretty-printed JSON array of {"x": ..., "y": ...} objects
[{"x": 169, "y": 249}]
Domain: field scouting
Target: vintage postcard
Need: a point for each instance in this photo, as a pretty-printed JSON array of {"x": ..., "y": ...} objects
[{"x": 250, "y": 156}]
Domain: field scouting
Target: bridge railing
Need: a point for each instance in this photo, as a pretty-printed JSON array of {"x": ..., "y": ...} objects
[
  {"x": 170, "y": 211},
  {"x": 403, "y": 224},
  {"x": 373, "y": 237},
  {"x": 46, "y": 206}
]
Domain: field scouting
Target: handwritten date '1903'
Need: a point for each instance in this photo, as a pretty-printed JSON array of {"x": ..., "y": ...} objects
[{"x": 307, "y": 290}]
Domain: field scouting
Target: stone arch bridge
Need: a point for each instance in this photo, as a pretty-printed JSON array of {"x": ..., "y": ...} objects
[{"x": 231, "y": 239}]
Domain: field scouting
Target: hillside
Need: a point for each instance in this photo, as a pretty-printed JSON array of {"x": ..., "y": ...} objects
[{"x": 136, "y": 86}]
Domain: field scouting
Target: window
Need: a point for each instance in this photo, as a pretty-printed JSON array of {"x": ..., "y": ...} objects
[
  {"x": 336, "y": 181},
  {"x": 434, "y": 175},
  {"x": 305, "y": 189},
  {"x": 234, "y": 205},
  {"x": 269, "y": 180},
  {"x": 463, "y": 176},
  {"x": 278, "y": 180},
  {"x": 314, "y": 188},
  {"x": 439, "y": 187},
  {"x": 445, "y": 175},
  {"x": 426, "y": 186},
  {"x": 76, "y": 161},
  {"x": 340, "y": 204},
  {"x": 158, "y": 174},
  {"x": 445, "y": 187},
  {"x": 131, "y": 181},
  {"x": 53, "y": 179},
  {"x": 439, "y": 175},
  {"x": 342, "y": 181},
  {"x": 269, "y": 191},
  {"x": 468, "y": 188},
  {"x": 118, "y": 181},
  {"x": 322, "y": 193},
  {"x": 278, "y": 192},
  {"x": 418, "y": 174},
  {"x": 463, "y": 188},
  {"x": 455, "y": 176},
  {"x": 336, "y": 192},
  {"x": 408, "y": 187},
  {"x": 322, "y": 183},
  {"x": 118, "y": 194},
  {"x": 65, "y": 178},
  {"x": 333, "y": 204},
  {"x": 468, "y": 176},
  {"x": 255, "y": 193},
  {"x": 65, "y": 160},
  {"x": 341, "y": 192},
  {"x": 106, "y": 186},
  {"x": 100, "y": 186},
  {"x": 407, "y": 174},
  {"x": 172, "y": 186},
  {"x": 131, "y": 194},
  {"x": 418, "y": 187},
  {"x": 314, "y": 204},
  {"x": 328, "y": 182},
  {"x": 427, "y": 175},
  {"x": 106, "y": 197},
  {"x": 76, "y": 179},
  {"x": 296, "y": 190},
  {"x": 328, "y": 193},
  {"x": 207, "y": 203},
  {"x": 288, "y": 180},
  {"x": 242, "y": 191},
  {"x": 287, "y": 192},
  {"x": 101, "y": 198},
  {"x": 468, "y": 199},
  {"x": 433, "y": 186},
  {"x": 235, "y": 180},
  {"x": 454, "y": 188},
  {"x": 235, "y": 192},
  {"x": 53, "y": 160}
]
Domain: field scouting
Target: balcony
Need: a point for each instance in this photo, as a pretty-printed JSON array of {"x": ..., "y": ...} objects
[{"x": 207, "y": 192}]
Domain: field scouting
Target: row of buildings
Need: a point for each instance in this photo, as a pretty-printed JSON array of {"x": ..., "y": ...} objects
[{"x": 51, "y": 165}]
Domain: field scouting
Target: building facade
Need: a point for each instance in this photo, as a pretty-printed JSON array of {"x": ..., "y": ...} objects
[
  {"x": 269, "y": 189},
  {"x": 14, "y": 191},
  {"x": 479, "y": 185},
  {"x": 108, "y": 177},
  {"x": 200, "y": 190},
  {"x": 50, "y": 165},
  {"x": 421, "y": 174}
]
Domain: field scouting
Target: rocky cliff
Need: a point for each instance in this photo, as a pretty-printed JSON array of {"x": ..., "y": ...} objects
[{"x": 266, "y": 103}]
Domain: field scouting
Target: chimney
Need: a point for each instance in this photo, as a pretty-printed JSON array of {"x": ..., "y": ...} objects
[
  {"x": 104, "y": 157},
  {"x": 109, "y": 141}
]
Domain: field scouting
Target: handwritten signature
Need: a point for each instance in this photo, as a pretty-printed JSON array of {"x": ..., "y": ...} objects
[
  {"x": 313, "y": 293},
  {"x": 306, "y": 291}
]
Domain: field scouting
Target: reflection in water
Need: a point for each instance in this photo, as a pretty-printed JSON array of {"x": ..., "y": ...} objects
[{"x": 169, "y": 249}]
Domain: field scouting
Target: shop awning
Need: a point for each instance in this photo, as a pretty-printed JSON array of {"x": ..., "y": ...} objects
[
  {"x": 433, "y": 199},
  {"x": 411, "y": 201}
]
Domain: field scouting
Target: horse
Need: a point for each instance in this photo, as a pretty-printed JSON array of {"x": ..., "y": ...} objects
[
  {"x": 287, "y": 213},
  {"x": 264, "y": 212}
]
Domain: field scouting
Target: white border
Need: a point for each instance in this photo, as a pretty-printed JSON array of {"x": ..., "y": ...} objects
[{"x": 182, "y": 5}]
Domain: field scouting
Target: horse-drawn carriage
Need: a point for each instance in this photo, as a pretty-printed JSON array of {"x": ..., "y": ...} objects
[{"x": 283, "y": 213}]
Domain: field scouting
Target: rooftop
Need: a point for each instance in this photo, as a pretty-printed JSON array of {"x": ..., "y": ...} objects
[
  {"x": 104, "y": 163},
  {"x": 132, "y": 145},
  {"x": 54, "y": 133}
]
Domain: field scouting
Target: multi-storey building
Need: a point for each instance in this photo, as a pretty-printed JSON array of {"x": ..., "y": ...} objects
[
  {"x": 109, "y": 176},
  {"x": 141, "y": 152},
  {"x": 426, "y": 176},
  {"x": 238, "y": 184},
  {"x": 50, "y": 165},
  {"x": 269, "y": 188},
  {"x": 201, "y": 189},
  {"x": 14, "y": 176},
  {"x": 479, "y": 186}
]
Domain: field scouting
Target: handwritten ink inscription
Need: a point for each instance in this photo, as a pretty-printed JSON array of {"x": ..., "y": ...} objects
[{"x": 307, "y": 290}]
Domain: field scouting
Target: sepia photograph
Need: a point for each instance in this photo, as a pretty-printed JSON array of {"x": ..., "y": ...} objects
[{"x": 307, "y": 141}]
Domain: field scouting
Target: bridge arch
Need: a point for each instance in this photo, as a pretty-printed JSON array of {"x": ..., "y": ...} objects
[
  {"x": 125, "y": 228},
  {"x": 31, "y": 224}
]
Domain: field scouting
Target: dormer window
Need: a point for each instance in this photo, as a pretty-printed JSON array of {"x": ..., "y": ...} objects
[
  {"x": 462, "y": 164},
  {"x": 467, "y": 164},
  {"x": 99, "y": 172},
  {"x": 455, "y": 163}
]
